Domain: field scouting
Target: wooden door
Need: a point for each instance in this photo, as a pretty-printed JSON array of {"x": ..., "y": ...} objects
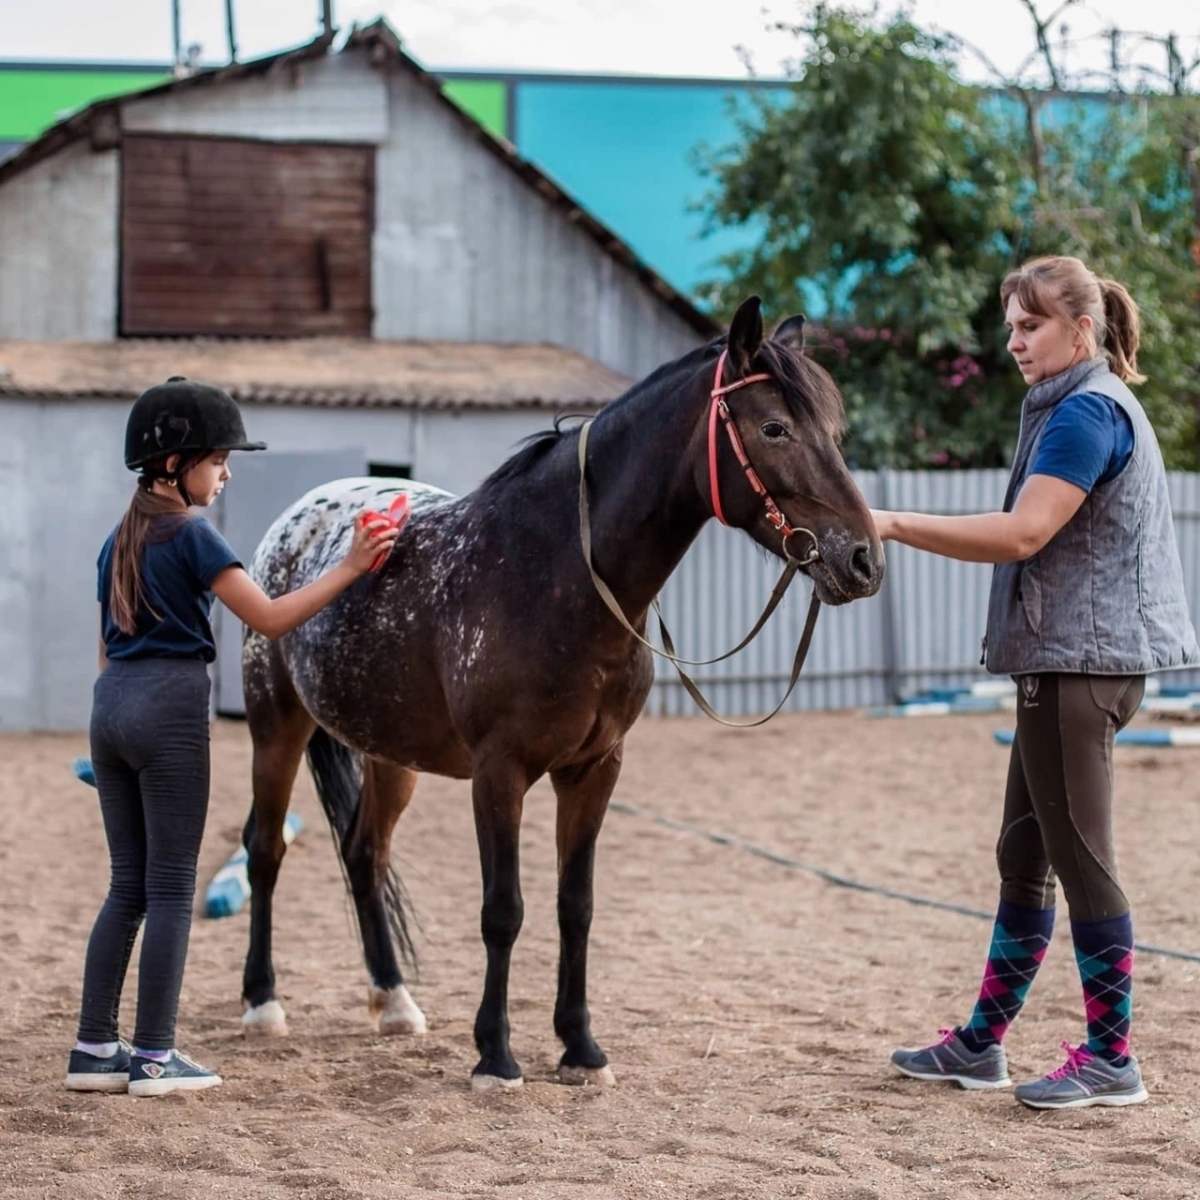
[{"x": 239, "y": 237}]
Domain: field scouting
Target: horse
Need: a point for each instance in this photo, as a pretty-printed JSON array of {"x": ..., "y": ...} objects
[{"x": 482, "y": 651}]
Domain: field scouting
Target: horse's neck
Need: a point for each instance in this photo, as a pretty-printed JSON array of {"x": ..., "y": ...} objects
[{"x": 644, "y": 507}]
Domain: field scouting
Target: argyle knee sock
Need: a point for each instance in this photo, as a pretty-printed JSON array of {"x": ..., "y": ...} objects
[
  {"x": 1104, "y": 952},
  {"x": 1020, "y": 938}
]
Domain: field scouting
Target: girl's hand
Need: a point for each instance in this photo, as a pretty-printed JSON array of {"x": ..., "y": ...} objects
[
  {"x": 372, "y": 539},
  {"x": 883, "y": 523}
]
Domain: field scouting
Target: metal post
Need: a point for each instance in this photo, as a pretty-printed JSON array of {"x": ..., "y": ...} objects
[
  {"x": 229, "y": 30},
  {"x": 176, "y": 34},
  {"x": 327, "y": 17}
]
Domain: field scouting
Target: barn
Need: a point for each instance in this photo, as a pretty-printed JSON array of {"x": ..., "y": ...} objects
[{"x": 382, "y": 283}]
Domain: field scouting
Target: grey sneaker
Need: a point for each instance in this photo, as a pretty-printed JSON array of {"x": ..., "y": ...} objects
[
  {"x": 950, "y": 1060},
  {"x": 178, "y": 1073},
  {"x": 1085, "y": 1079},
  {"x": 88, "y": 1073}
]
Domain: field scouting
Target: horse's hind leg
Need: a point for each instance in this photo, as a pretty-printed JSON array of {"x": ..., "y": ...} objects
[
  {"x": 387, "y": 789},
  {"x": 280, "y": 729},
  {"x": 583, "y": 794}
]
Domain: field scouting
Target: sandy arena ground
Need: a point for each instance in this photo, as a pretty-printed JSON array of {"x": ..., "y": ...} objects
[{"x": 748, "y": 1009}]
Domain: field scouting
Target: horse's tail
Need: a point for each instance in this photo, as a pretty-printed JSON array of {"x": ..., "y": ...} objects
[{"x": 337, "y": 773}]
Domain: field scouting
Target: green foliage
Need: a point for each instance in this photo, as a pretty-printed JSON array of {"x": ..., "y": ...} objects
[
  {"x": 1118, "y": 197},
  {"x": 893, "y": 198}
]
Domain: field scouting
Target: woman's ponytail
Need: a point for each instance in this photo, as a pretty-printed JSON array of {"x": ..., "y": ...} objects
[{"x": 1123, "y": 331}]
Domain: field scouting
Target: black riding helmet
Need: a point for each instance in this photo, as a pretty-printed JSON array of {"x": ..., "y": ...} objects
[{"x": 183, "y": 417}]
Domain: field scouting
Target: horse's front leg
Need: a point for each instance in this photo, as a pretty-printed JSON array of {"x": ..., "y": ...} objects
[
  {"x": 498, "y": 792},
  {"x": 277, "y": 753},
  {"x": 583, "y": 794}
]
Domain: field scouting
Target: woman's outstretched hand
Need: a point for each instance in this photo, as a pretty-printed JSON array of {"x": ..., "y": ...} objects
[{"x": 883, "y": 523}]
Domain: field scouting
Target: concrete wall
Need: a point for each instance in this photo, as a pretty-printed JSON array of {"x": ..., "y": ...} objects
[
  {"x": 65, "y": 487},
  {"x": 58, "y": 248}
]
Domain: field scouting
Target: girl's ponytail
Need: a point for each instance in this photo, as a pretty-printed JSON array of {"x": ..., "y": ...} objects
[
  {"x": 127, "y": 596},
  {"x": 1123, "y": 331}
]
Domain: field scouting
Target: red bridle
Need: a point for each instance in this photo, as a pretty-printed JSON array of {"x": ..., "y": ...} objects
[{"x": 720, "y": 409}]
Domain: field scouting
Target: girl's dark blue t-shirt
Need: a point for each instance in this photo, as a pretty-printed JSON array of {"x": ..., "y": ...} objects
[
  {"x": 1087, "y": 441},
  {"x": 177, "y": 575}
]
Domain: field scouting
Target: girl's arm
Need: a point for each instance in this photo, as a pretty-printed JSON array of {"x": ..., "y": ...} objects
[
  {"x": 274, "y": 617},
  {"x": 1044, "y": 506}
]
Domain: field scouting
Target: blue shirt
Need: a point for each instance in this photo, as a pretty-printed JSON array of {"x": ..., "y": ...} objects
[
  {"x": 177, "y": 573},
  {"x": 1087, "y": 441}
]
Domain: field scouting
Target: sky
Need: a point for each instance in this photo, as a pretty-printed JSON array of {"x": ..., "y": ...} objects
[{"x": 656, "y": 37}]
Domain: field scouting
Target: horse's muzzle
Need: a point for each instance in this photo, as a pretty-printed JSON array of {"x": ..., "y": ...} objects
[{"x": 847, "y": 569}]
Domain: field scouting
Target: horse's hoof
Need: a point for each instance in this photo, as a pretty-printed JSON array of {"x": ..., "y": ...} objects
[
  {"x": 265, "y": 1020},
  {"x": 486, "y": 1083},
  {"x": 579, "y": 1076},
  {"x": 396, "y": 1011}
]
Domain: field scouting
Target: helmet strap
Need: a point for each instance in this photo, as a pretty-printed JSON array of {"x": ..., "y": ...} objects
[{"x": 155, "y": 471}]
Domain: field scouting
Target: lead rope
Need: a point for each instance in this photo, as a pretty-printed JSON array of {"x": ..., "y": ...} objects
[{"x": 689, "y": 684}]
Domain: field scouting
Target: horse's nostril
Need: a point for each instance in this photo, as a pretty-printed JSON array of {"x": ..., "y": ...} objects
[{"x": 861, "y": 563}]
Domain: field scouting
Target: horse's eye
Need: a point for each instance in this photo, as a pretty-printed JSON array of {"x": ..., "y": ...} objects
[{"x": 774, "y": 429}]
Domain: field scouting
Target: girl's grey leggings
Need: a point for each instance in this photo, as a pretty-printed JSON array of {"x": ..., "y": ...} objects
[{"x": 150, "y": 753}]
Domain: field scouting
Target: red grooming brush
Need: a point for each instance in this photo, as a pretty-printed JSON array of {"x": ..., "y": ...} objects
[{"x": 397, "y": 515}]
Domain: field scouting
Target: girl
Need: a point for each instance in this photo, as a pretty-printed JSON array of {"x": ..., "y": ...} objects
[
  {"x": 1086, "y": 598},
  {"x": 158, "y": 571}
]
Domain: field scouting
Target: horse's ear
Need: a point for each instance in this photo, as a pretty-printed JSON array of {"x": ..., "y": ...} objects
[
  {"x": 745, "y": 336},
  {"x": 790, "y": 333}
]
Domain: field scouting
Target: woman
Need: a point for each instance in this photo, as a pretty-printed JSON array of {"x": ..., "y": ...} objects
[{"x": 1087, "y": 597}]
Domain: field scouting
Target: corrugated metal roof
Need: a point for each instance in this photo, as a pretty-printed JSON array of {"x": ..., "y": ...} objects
[
  {"x": 101, "y": 123},
  {"x": 317, "y": 371}
]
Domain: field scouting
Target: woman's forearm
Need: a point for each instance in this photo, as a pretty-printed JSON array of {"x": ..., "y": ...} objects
[{"x": 984, "y": 537}]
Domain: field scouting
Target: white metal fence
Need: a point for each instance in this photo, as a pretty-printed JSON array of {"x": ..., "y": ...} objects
[{"x": 922, "y": 630}]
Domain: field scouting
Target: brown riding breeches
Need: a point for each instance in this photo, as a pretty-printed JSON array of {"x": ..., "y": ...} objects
[{"x": 1058, "y": 803}]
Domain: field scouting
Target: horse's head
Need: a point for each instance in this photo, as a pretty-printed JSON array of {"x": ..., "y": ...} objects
[{"x": 787, "y": 414}]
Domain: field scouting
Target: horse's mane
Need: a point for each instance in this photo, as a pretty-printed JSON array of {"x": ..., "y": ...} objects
[
  {"x": 810, "y": 394},
  {"x": 531, "y": 449}
]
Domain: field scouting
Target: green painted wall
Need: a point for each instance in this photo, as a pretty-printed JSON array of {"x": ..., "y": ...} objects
[
  {"x": 485, "y": 100},
  {"x": 31, "y": 100}
]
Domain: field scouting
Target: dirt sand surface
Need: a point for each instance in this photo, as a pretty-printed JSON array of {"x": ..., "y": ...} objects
[{"x": 747, "y": 1007}]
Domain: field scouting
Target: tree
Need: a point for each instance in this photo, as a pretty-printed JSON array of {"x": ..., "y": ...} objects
[
  {"x": 893, "y": 198},
  {"x": 1115, "y": 181}
]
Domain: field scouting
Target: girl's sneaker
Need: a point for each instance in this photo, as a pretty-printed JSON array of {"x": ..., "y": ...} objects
[
  {"x": 90, "y": 1073},
  {"x": 1083, "y": 1080},
  {"x": 177, "y": 1073},
  {"x": 951, "y": 1061}
]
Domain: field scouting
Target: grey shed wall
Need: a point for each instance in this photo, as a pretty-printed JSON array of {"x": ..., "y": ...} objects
[
  {"x": 65, "y": 487},
  {"x": 58, "y": 248},
  {"x": 468, "y": 251},
  {"x": 463, "y": 250}
]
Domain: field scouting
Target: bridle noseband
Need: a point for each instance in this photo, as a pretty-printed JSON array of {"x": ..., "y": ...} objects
[{"x": 719, "y": 409}]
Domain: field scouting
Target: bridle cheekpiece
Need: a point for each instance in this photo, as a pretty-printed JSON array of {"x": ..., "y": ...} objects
[{"x": 719, "y": 409}]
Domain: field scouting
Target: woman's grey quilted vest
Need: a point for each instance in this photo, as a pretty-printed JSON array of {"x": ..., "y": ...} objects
[{"x": 1105, "y": 595}]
